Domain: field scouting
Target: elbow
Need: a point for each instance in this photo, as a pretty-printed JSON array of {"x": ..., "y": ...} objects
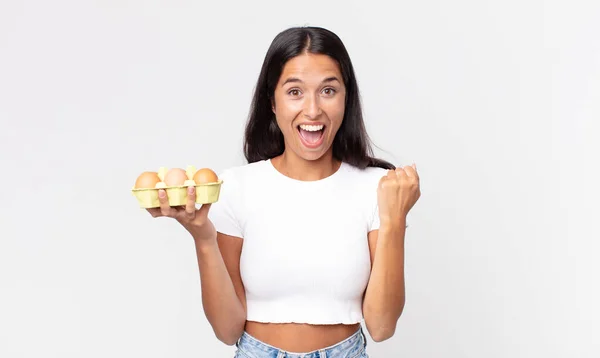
[
  {"x": 230, "y": 334},
  {"x": 381, "y": 333},
  {"x": 229, "y": 337},
  {"x": 382, "y": 326},
  {"x": 229, "y": 340}
]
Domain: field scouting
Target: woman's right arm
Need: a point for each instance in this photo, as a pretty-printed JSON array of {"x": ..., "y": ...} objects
[{"x": 223, "y": 296}]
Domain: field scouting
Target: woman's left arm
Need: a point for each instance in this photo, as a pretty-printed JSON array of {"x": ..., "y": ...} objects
[{"x": 384, "y": 297}]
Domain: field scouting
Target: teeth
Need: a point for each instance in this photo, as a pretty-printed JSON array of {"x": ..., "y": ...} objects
[{"x": 311, "y": 128}]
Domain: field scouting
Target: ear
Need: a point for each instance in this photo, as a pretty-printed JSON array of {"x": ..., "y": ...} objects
[{"x": 273, "y": 104}]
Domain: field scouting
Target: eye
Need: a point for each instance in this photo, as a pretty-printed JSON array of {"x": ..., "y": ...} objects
[
  {"x": 294, "y": 92},
  {"x": 329, "y": 91}
]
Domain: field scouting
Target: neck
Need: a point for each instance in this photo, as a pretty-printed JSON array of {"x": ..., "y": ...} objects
[{"x": 298, "y": 168}]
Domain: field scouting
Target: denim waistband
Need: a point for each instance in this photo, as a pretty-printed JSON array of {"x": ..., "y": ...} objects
[{"x": 252, "y": 347}]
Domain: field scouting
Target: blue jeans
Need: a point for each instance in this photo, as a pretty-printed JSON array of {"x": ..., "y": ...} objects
[{"x": 352, "y": 347}]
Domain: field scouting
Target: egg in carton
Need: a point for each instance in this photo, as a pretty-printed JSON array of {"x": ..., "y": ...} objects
[{"x": 175, "y": 182}]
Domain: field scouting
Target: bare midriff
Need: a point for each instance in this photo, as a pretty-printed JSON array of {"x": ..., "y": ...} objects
[{"x": 300, "y": 338}]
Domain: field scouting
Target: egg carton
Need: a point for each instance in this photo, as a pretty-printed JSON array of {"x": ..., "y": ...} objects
[{"x": 207, "y": 193}]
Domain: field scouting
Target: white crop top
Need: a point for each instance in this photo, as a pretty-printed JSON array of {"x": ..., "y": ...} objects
[{"x": 305, "y": 255}]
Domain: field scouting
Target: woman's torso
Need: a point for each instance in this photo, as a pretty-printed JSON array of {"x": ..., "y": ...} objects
[{"x": 305, "y": 257}]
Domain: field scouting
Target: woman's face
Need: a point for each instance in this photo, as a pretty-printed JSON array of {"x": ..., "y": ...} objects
[{"x": 309, "y": 104}]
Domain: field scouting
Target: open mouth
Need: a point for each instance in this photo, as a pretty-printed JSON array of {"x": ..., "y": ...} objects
[{"x": 311, "y": 135}]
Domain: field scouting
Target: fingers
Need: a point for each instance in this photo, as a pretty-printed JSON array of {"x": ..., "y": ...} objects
[
  {"x": 165, "y": 208},
  {"x": 203, "y": 211},
  {"x": 409, "y": 171},
  {"x": 178, "y": 212},
  {"x": 190, "y": 207},
  {"x": 409, "y": 175}
]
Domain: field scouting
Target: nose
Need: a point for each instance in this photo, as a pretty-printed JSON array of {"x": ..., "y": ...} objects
[{"x": 312, "y": 107}]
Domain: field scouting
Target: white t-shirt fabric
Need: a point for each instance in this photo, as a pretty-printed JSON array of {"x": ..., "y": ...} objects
[{"x": 305, "y": 253}]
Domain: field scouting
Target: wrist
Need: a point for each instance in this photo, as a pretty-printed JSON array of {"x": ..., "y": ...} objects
[
  {"x": 393, "y": 222},
  {"x": 391, "y": 233},
  {"x": 206, "y": 248},
  {"x": 201, "y": 241}
]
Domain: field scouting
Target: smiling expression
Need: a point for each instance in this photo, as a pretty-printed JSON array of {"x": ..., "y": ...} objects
[{"x": 309, "y": 104}]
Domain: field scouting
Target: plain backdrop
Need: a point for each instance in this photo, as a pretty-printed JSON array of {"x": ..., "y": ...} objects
[{"x": 497, "y": 102}]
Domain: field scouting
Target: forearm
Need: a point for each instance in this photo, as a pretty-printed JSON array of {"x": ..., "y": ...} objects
[
  {"x": 222, "y": 306},
  {"x": 385, "y": 295}
]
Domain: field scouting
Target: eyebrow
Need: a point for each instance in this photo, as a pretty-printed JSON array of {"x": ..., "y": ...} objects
[{"x": 297, "y": 80}]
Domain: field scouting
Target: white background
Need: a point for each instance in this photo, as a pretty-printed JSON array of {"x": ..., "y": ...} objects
[{"x": 497, "y": 102}]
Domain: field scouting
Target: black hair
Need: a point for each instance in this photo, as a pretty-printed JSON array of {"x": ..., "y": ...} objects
[{"x": 263, "y": 138}]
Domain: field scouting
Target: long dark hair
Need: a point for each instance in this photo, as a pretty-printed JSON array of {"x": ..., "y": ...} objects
[{"x": 263, "y": 138}]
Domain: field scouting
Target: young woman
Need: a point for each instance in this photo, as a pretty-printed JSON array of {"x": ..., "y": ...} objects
[{"x": 307, "y": 239}]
